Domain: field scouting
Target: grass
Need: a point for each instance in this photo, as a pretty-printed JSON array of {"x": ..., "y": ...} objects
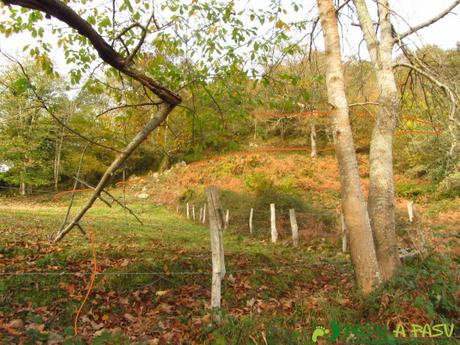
[{"x": 272, "y": 294}]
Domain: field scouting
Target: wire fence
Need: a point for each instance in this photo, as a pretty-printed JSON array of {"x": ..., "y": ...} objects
[
  {"x": 182, "y": 273},
  {"x": 311, "y": 224}
]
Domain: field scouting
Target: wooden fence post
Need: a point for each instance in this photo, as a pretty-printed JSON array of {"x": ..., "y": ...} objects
[
  {"x": 204, "y": 213},
  {"x": 193, "y": 212},
  {"x": 411, "y": 211},
  {"x": 188, "y": 211},
  {"x": 216, "y": 223},
  {"x": 294, "y": 228},
  {"x": 251, "y": 215},
  {"x": 227, "y": 218},
  {"x": 201, "y": 214},
  {"x": 344, "y": 233},
  {"x": 273, "y": 223}
]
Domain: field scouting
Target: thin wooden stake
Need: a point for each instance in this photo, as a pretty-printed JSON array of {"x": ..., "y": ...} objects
[
  {"x": 294, "y": 228},
  {"x": 227, "y": 218},
  {"x": 193, "y": 212},
  {"x": 251, "y": 215},
  {"x": 217, "y": 247},
  {"x": 204, "y": 213},
  {"x": 411, "y": 211},
  {"x": 201, "y": 213},
  {"x": 188, "y": 211},
  {"x": 274, "y": 233}
]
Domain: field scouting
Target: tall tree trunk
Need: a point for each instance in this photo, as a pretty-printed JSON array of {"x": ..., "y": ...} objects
[
  {"x": 22, "y": 188},
  {"x": 381, "y": 181},
  {"x": 381, "y": 202},
  {"x": 353, "y": 205}
]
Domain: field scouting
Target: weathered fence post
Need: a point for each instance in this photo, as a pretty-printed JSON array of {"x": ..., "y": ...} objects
[
  {"x": 216, "y": 223},
  {"x": 294, "y": 228},
  {"x": 251, "y": 215},
  {"x": 419, "y": 238},
  {"x": 344, "y": 233},
  {"x": 411, "y": 211},
  {"x": 227, "y": 218},
  {"x": 193, "y": 212},
  {"x": 188, "y": 211},
  {"x": 273, "y": 223},
  {"x": 201, "y": 214},
  {"x": 204, "y": 213}
]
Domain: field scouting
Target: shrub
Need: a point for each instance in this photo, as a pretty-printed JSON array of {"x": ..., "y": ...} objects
[{"x": 450, "y": 186}]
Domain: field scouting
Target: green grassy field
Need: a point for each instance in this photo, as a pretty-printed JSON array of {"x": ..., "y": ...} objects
[{"x": 153, "y": 285}]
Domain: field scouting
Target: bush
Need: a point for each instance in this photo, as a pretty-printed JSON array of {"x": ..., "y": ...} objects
[
  {"x": 258, "y": 182},
  {"x": 412, "y": 190},
  {"x": 450, "y": 186},
  {"x": 423, "y": 287}
]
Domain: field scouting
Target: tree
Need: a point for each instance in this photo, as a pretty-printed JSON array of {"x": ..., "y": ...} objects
[
  {"x": 353, "y": 205},
  {"x": 27, "y": 133},
  {"x": 381, "y": 203}
]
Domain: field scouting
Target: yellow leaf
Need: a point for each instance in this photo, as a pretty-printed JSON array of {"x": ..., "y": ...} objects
[
  {"x": 161, "y": 293},
  {"x": 280, "y": 24}
]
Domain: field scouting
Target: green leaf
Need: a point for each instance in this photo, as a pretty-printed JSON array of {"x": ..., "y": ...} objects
[{"x": 20, "y": 86}]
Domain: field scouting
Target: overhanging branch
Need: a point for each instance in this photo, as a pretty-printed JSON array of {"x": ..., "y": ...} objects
[
  {"x": 429, "y": 21},
  {"x": 59, "y": 10}
]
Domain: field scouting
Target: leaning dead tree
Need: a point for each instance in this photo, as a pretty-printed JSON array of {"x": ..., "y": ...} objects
[{"x": 124, "y": 63}]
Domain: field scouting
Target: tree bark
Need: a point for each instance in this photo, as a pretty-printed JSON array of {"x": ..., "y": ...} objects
[
  {"x": 354, "y": 208},
  {"x": 381, "y": 203}
]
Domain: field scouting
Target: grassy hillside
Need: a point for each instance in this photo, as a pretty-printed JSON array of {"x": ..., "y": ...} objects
[{"x": 311, "y": 186}]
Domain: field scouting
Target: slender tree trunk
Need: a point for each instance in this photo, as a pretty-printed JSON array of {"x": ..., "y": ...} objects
[
  {"x": 381, "y": 202},
  {"x": 354, "y": 208},
  {"x": 381, "y": 181},
  {"x": 22, "y": 188},
  {"x": 57, "y": 158}
]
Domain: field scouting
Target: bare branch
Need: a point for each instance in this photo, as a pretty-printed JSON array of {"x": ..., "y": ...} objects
[
  {"x": 69, "y": 208},
  {"x": 129, "y": 28},
  {"x": 136, "y": 49},
  {"x": 440, "y": 84},
  {"x": 163, "y": 112},
  {"x": 447, "y": 90},
  {"x": 91, "y": 187},
  {"x": 363, "y": 104},
  {"x": 367, "y": 27},
  {"x": 430, "y": 21},
  {"x": 128, "y": 106},
  {"x": 110, "y": 195}
]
